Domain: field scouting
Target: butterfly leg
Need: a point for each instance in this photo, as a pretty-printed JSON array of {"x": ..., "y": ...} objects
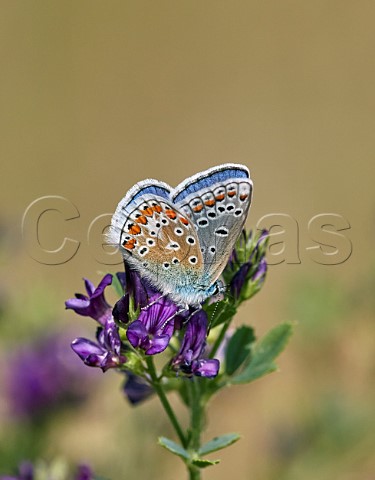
[
  {"x": 181, "y": 310},
  {"x": 153, "y": 302}
]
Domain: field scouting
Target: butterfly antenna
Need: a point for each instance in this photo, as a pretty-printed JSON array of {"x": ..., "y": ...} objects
[
  {"x": 228, "y": 294},
  {"x": 213, "y": 313}
]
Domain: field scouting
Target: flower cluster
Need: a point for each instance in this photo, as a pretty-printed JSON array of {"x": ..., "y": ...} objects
[
  {"x": 42, "y": 377},
  {"x": 144, "y": 323}
]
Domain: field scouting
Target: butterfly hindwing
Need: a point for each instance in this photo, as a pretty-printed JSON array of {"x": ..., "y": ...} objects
[{"x": 217, "y": 204}]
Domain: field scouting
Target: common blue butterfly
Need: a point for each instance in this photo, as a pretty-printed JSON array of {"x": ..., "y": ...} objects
[{"x": 180, "y": 239}]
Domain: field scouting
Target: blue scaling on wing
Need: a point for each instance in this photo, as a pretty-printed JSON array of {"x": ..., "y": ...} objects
[
  {"x": 150, "y": 190},
  {"x": 208, "y": 179}
]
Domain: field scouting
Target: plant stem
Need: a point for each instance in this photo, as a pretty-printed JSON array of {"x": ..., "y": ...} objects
[
  {"x": 196, "y": 416},
  {"x": 194, "y": 473},
  {"x": 196, "y": 409},
  {"x": 220, "y": 338},
  {"x": 164, "y": 400}
]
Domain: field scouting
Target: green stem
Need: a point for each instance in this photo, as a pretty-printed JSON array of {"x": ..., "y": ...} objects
[
  {"x": 196, "y": 424},
  {"x": 194, "y": 473},
  {"x": 220, "y": 338},
  {"x": 164, "y": 400}
]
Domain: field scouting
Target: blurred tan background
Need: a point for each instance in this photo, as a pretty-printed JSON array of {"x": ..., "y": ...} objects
[{"x": 96, "y": 96}]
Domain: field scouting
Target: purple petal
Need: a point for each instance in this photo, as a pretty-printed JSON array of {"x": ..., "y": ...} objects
[
  {"x": 106, "y": 281},
  {"x": 261, "y": 271},
  {"x": 90, "y": 288},
  {"x": 158, "y": 344},
  {"x": 136, "y": 333},
  {"x": 136, "y": 389},
  {"x": 120, "y": 311},
  {"x": 26, "y": 471},
  {"x": 77, "y": 304},
  {"x": 121, "y": 277},
  {"x": 111, "y": 336},
  {"x": 109, "y": 360},
  {"x": 158, "y": 317},
  {"x": 138, "y": 288},
  {"x": 206, "y": 368},
  {"x": 239, "y": 278},
  {"x": 84, "y": 473},
  {"x": 91, "y": 353},
  {"x": 95, "y": 306},
  {"x": 195, "y": 335},
  {"x": 84, "y": 347}
]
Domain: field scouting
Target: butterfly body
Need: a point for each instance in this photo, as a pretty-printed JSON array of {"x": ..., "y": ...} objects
[{"x": 180, "y": 239}]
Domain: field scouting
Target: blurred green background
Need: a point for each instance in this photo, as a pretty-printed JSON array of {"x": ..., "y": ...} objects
[{"x": 96, "y": 96}]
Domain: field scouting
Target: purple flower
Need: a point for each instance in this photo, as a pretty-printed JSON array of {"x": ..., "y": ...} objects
[
  {"x": 43, "y": 376},
  {"x": 84, "y": 473},
  {"x": 120, "y": 311},
  {"x": 190, "y": 358},
  {"x": 247, "y": 267},
  {"x": 94, "y": 305},
  {"x": 139, "y": 288},
  {"x": 154, "y": 327},
  {"x": 136, "y": 388},
  {"x": 106, "y": 353},
  {"x": 25, "y": 472}
]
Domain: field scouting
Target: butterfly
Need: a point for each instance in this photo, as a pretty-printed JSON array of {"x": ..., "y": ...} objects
[{"x": 180, "y": 239}]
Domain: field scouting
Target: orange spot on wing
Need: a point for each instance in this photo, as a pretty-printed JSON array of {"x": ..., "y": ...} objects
[
  {"x": 198, "y": 208},
  {"x": 231, "y": 194},
  {"x": 220, "y": 197},
  {"x": 130, "y": 244},
  {"x": 141, "y": 219},
  {"x": 243, "y": 196},
  {"x": 184, "y": 221},
  {"x": 157, "y": 208},
  {"x": 135, "y": 230},
  {"x": 148, "y": 212},
  {"x": 171, "y": 214},
  {"x": 210, "y": 203}
]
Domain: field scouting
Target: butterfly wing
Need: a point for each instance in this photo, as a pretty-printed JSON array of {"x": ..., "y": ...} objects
[
  {"x": 217, "y": 203},
  {"x": 156, "y": 238}
]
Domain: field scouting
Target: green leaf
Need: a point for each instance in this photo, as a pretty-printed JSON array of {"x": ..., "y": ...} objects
[
  {"x": 264, "y": 353},
  {"x": 117, "y": 286},
  {"x": 173, "y": 447},
  {"x": 238, "y": 348},
  {"x": 220, "y": 312},
  {"x": 203, "y": 463},
  {"x": 218, "y": 443}
]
